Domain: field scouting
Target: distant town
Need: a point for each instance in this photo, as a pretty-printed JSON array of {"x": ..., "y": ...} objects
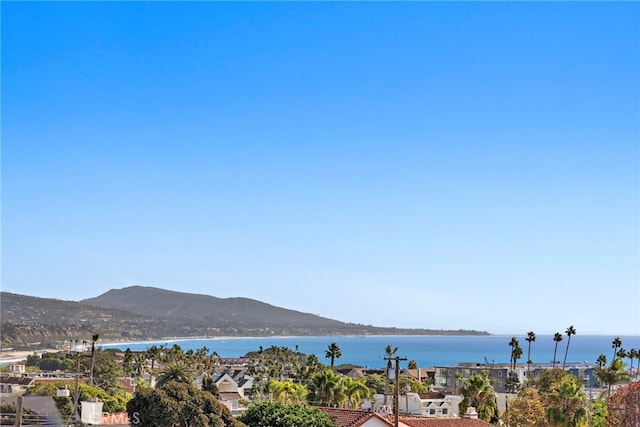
[{"x": 166, "y": 385}]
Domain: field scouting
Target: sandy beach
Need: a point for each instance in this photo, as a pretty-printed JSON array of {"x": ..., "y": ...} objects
[{"x": 16, "y": 356}]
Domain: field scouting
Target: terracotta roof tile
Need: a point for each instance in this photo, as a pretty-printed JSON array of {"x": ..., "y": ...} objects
[
  {"x": 442, "y": 422},
  {"x": 351, "y": 417}
]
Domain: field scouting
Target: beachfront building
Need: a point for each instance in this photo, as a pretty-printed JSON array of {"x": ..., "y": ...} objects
[{"x": 450, "y": 378}]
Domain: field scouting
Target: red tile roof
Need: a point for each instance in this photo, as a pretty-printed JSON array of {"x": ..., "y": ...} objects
[
  {"x": 442, "y": 422},
  {"x": 352, "y": 417}
]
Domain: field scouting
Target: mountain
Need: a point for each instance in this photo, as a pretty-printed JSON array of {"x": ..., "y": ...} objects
[
  {"x": 157, "y": 302},
  {"x": 139, "y": 313}
]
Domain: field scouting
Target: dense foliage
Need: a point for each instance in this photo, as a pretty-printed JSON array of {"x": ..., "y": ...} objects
[
  {"x": 178, "y": 404},
  {"x": 275, "y": 414},
  {"x": 112, "y": 402}
]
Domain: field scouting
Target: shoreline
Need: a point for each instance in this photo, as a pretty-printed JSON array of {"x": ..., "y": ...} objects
[
  {"x": 113, "y": 344},
  {"x": 7, "y": 357}
]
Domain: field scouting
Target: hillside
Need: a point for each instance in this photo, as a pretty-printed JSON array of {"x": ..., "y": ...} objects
[
  {"x": 141, "y": 313},
  {"x": 157, "y": 302}
]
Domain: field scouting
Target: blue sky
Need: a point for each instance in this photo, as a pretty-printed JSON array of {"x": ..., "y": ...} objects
[{"x": 438, "y": 165}]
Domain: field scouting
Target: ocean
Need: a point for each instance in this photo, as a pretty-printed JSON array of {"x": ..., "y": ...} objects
[{"x": 427, "y": 351}]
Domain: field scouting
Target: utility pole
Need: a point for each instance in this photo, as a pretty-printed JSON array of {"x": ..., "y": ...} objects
[
  {"x": 396, "y": 394},
  {"x": 19, "y": 412}
]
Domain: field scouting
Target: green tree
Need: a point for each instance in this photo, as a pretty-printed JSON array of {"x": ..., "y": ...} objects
[
  {"x": 632, "y": 354},
  {"x": 287, "y": 391},
  {"x": 531, "y": 337},
  {"x": 478, "y": 392},
  {"x": 177, "y": 372},
  {"x": 599, "y": 412},
  {"x": 570, "y": 332},
  {"x": 276, "y": 414},
  {"x": 111, "y": 402},
  {"x": 614, "y": 374},
  {"x": 526, "y": 410},
  {"x": 94, "y": 340},
  {"x": 325, "y": 388},
  {"x": 107, "y": 369},
  {"x": 355, "y": 390},
  {"x": 309, "y": 366},
  {"x": 333, "y": 352},
  {"x": 602, "y": 361},
  {"x": 615, "y": 344},
  {"x": 566, "y": 404},
  {"x": 513, "y": 382},
  {"x": 412, "y": 364},
  {"x": 557, "y": 337},
  {"x": 178, "y": 405}
]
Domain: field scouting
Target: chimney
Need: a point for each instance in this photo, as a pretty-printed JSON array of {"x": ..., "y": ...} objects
[{"x": 471, "y": 413}]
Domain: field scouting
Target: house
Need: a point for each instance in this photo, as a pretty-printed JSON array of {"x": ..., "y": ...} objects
[
  {"x": 14, "y": 385},
  {"x": 432, "y": 404},
  {"x": 421, "y": 374},
  {"x": 356, "y": 418},
  {"x": 233, "y": 385},
  {"x": 17, "y": 368}
]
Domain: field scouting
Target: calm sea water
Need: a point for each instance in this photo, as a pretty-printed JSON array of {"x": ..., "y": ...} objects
[{"x": 427, "y": 351}]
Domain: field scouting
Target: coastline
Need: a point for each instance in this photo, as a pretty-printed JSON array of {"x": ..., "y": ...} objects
[
  {"x": 7, "y": 357},
  {"x": 112, "y": 344}
]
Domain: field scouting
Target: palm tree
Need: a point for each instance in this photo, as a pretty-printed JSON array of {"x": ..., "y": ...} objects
[
  {"x": 570, "y": 331},
  {"x": 616, "y": 344},
  {"x": 622, "y": 354},
  {"x": 531, "y": 337},
  {"x": 566, "y": 404},
  {"x": 355, "y": 390},
  {"x": 612, "y": 375},
  {"x": 325, "y": 388},
  {"x": 633, "y": 354},
  {"x": 557, "y": 338},
  {"x": 287, "y": 391},
  {"x": 602, "y": 361},
  {"x": 389, "y": 353},
  {"x": 333, "y": 352},
  {"x": 174, "y": 372},
  {"x": 94, "y": 340},
  {"x": 513, "y": 344},
  {"x": 478, "y": 392}
]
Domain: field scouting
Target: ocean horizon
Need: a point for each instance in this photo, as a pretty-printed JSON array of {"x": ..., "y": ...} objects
[{"x": 426, "y": 350}]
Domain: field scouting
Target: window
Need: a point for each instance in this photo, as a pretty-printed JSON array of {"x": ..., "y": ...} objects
[
  {"x": 445, "y": 411},
  {"x": 449, "y": 372},
  {"x": 432, "y": 411},
  {"x": 499, "y": 383},
  {"x": 499, "y": 373}
]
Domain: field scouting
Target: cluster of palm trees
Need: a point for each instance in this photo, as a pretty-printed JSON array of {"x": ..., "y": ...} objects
[
  {"x": 517, "y": 352},
  {"x": 616, "y": 372},
  {"x": 175, "y": 364}
]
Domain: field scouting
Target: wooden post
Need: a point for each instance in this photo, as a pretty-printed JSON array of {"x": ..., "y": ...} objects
[{"x": 19, "y": 412}]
